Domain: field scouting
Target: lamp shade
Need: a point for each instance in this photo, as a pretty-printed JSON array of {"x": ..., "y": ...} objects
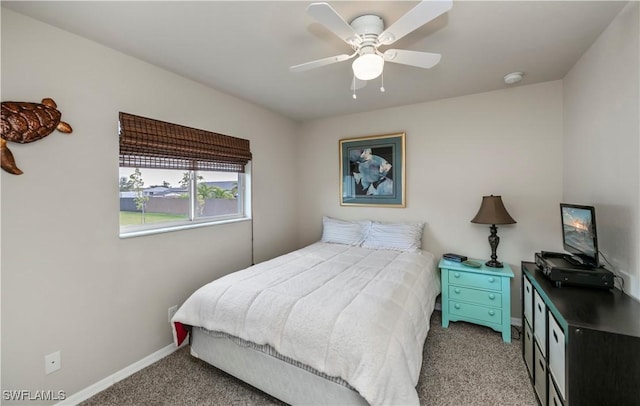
[
  {"x": 368, "y": 66},
  {"x": 492, "y": 211}
]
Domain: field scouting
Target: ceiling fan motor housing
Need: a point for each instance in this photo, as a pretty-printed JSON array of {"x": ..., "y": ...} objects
[
  {"x": 368, "y": 24},
  {"x": 368, "y": 27}
]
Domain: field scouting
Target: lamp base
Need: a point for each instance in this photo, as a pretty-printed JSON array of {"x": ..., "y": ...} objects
[
  {"x": 494, "y": 240},
  {"x": 494, "y": 264}
]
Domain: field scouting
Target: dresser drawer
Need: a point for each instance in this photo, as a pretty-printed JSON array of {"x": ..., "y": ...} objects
[
  {"x": 475, "y": 280},
  {"x": 475, "y": 296},
  {"x": 473, "y": 311}
]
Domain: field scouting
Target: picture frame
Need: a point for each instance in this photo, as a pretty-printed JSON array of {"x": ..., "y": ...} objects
[{"x": 372, "y": 171}]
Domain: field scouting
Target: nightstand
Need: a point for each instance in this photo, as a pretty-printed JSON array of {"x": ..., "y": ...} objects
[{"x": 477, "y": 295}]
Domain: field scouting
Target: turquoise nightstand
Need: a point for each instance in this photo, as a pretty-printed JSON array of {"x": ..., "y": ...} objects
[{"x": 477, "y": 295}]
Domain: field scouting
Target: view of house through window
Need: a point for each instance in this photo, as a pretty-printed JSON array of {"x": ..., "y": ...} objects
[{"x": 157, "y": 198}]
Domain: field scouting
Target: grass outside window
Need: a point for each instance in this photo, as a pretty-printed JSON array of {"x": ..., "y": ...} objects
[{"x": 128, "y": 218}]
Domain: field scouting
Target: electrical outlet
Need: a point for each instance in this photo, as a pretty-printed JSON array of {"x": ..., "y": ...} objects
[
  {"x": 52, "y": 362},
  {"x": 172, "y": 310}
]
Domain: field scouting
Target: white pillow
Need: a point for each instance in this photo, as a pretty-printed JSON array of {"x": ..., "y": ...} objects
[
  {"x": 344, "y": 232},
  {"x": 394, "y": 236}
]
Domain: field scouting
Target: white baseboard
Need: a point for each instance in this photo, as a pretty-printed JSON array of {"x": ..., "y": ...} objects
[
  {"x": 516, "y": 321},
  {"x": 125, "y": 372}
]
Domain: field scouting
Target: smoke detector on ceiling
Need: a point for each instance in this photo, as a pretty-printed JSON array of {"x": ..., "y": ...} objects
[{"x": 513, "y": 77}]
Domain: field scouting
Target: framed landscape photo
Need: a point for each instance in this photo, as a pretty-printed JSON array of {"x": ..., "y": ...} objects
[{"x": 372, "y": 171}]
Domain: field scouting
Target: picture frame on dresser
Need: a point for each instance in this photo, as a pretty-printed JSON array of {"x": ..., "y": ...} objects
[{"x": 372, "y": 171}]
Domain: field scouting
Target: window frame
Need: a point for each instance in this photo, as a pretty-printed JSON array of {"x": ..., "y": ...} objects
[{"x": 244, "y": 202}]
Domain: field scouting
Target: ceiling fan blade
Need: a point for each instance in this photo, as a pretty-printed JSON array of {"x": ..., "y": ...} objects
[
  {"x": 326, "y": 15},
  {"x": 421, "y": 14},
  {"x": 320, "y": 62},
  {"x": 414, "y": 58}
]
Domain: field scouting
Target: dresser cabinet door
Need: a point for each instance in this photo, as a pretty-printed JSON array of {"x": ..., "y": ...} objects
[
  {"x": 557, "y": 354},
  {"x": 528, "y": 301},
  {"x": 539, "y": 321},
  {"x": 554, "y": 399},
  {"x": 528, "y": 348},
  {"x": 540, "y": 375}
]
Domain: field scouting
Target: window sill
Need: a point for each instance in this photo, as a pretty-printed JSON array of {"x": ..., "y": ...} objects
[{"x": 179, "y": 227}]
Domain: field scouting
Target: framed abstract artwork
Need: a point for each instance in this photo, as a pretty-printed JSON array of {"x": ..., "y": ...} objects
[{"x": 372, "y": 171}]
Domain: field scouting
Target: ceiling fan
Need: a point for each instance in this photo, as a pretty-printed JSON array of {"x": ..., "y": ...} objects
[{"x": 365, "y": 34}]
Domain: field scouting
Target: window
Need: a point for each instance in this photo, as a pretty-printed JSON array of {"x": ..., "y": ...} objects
[{"x": 174, "y": 177}]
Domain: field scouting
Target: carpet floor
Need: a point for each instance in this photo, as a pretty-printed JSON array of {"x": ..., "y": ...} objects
[{"x": 464, "y": 364}]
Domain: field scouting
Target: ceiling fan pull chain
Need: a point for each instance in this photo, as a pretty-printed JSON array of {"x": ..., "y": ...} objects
[
  {"x": 353, "y": 86},
  {"x": 382, "y": 82}
]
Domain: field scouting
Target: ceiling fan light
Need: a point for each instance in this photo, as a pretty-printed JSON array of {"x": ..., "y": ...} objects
[{"x": 368, "y": 66}]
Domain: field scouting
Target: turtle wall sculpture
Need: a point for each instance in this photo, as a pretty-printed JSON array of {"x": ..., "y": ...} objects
[{"x": 26, "y": 122}]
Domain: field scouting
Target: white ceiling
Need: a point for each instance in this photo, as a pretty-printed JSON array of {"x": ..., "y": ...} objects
[{"x": 244, "y": 48}]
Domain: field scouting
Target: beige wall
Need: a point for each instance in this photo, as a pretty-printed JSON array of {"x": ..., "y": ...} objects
[
  {"x": 602, "y": 141},
  {"x": 507, "y": 142},
  {"x": 68, "y": 282}
]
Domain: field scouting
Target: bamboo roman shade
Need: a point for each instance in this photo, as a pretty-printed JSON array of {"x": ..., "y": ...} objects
[{"x": 149, "y": 143}]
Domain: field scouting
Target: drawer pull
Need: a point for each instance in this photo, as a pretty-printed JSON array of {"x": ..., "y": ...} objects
[
  {"x": 456, "y": 275},
  {"x": 492, "y": 279},
  {"x": 457, "y": 306},
  {"x": 491, "y": 313},
  {"x": 528, "y": 290},
  {"x": 541, "y": 364},
  {"x": 555, "y": 336},
  {"x": 539, "y": 308},
  {"x": 492, "y": 296},
  {"x": 457, "y": 290}
]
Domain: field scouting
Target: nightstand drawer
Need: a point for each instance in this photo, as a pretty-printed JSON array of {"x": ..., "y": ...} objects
[
  {"x": 475, "y": 280},
  {"x": 476, "y": 296},
  {"x": 487, "y": 314}
]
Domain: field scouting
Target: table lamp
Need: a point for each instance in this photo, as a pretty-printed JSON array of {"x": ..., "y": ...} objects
[{"x": 492, "y": 211}]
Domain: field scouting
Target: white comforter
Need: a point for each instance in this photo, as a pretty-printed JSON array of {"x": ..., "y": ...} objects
[{"x": 350, "y": 312}]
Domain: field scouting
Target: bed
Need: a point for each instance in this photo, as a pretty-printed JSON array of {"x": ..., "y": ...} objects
[{"x": 341, "y": 321}]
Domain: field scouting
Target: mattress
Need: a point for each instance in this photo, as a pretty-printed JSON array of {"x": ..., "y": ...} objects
[{"x": 357, "y": 314}]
